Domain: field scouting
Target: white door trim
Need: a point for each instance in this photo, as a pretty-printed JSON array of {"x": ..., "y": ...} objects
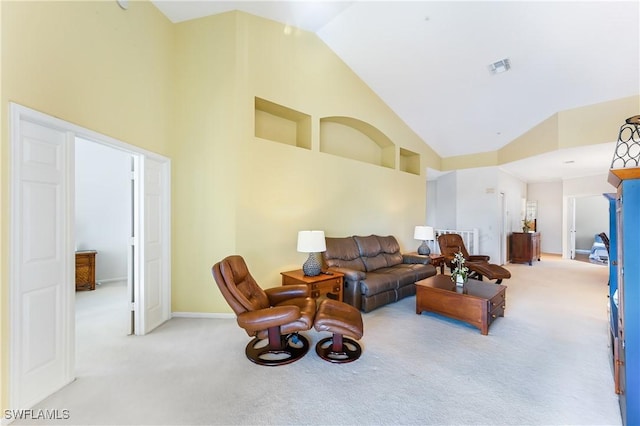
[{"x": 18, "y": 113}]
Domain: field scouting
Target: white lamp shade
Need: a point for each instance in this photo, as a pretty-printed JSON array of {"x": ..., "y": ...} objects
[
  {"x": 423, "y": 233},
  {"x": 311, "y": 241}
]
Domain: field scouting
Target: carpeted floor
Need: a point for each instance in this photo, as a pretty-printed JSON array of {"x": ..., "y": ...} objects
[{"x": 546, "y": 362}]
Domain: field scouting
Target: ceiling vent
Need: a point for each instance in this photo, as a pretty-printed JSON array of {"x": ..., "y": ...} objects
[{"x": 500, "y": 66}]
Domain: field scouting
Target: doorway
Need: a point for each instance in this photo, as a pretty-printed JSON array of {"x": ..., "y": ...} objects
[
  {"x": 104, "y": 224},
  {"x": 587, "y": 216},
  {"x": 590, "y": 218},
  {"x": 42, "y": 246}
]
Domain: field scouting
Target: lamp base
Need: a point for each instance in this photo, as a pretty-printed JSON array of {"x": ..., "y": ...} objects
[
  {"x": 312, "y": 267},
  {"x": 424, "y": 249}
]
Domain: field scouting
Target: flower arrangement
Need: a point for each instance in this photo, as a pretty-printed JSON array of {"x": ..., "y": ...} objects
[
  {"x": 460, "y": 270},
  {"x": 527, "y": 225}
]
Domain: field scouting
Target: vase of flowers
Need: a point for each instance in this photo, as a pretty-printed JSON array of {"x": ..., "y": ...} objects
[{"x": 460, "y": 272}]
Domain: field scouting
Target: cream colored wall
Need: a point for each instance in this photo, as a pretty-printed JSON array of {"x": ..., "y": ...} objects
[
  {"x": 484, "y": 159},
  {"x": 540, "y": 139},
  {"x": 595, "y": 124},
  {"x": 89, "y": 63},
  {"x": 238, "y": 194},
  {"x": 205, "y": 158},
  {"x": 285, "y": 189}
]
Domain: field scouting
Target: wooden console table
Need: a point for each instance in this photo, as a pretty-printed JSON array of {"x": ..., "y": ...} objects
[
  {"x": 525, "y": 247},
  {"x": 86, "y": 270}
]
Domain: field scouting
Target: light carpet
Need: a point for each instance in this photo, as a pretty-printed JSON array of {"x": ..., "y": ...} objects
[{"x": 546, "y": 362}]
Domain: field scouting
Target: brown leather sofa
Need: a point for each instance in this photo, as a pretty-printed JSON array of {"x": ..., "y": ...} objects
[{"x": 375, "y": 272}]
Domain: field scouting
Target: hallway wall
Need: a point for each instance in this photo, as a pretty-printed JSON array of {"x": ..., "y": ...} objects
[{"x": 103, "y": 206}]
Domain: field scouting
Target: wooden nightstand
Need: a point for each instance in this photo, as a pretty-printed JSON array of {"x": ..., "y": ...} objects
[
  {"x": 320, "y": 285},
  {"x": 86, "y": 270}
]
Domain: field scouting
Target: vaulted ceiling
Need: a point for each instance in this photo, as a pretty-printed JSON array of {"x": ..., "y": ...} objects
[{"x": 429, "y": 61}]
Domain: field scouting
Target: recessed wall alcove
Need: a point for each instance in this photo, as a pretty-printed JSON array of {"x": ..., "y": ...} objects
[
  {"x": 278, "y": 123},
  {"x": 409, "y": 161},
  {"x": 355, "y": 139}
]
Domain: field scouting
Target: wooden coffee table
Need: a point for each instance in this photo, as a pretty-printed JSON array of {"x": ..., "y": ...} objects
[{"x": 477, "y": 303}]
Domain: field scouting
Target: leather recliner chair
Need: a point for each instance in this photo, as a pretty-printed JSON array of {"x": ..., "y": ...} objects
[
  {"x": 478, "y": 264},
  {"x": 450, "y": 244},
  {"x": 276, "y": 314}
]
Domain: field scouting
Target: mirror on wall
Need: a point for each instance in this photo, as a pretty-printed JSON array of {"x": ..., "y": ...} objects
[{"x": 530, "y": 217}]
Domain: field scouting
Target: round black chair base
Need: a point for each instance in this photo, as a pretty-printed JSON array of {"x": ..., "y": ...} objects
[
  {"x": 351, "y": 350},
  {"x": 293, "y": 347}
]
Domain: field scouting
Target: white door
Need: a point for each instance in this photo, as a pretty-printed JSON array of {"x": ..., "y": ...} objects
[
  {"x": 42, "y": 254},
  {"x": 154, "y": 292},
  {"x": 42, "y": 261}
]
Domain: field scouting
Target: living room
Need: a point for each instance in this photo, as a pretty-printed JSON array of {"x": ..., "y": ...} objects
[{"x": 188, "y": 92}]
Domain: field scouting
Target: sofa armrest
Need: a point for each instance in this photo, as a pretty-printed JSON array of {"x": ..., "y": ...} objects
[
  {"x": 350, "y": 274},
  {"x": 351, "y": 293},
  {"x": 416, "y": 258}
]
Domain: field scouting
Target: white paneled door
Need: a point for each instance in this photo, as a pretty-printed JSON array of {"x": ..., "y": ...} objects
[
  {"x": 42, "y": 262},
  {"x": 156, "y": 270},
  {"x": 42, "y": 255}
]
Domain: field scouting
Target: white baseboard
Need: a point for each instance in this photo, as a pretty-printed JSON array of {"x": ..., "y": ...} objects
[
  {"x": 202, "y": 315},
  {"x": 111, "y": 280},
  {"x": 583, "y": 251}
]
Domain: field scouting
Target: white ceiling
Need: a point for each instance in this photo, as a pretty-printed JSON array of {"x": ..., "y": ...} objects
[{"x": 428, "y": 60}]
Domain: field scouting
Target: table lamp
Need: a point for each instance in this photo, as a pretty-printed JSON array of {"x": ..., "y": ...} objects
[
  {"x": 424, "y": 233},
  {"x": 311, "y": 242}
]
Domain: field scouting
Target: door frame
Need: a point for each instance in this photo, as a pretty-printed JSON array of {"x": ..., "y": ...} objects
[
  {"x": 569, "y": 228},
  {"x": 503, "y": 228},
  {"x": 18, "y": 113}
]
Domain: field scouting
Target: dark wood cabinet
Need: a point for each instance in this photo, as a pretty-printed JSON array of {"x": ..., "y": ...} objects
[
  {"x": 524, "y": 247},
  {"x": 85, "y": 270}
]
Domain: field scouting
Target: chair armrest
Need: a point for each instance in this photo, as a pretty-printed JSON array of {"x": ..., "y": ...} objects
[
  {"x": 350, "y": 274},
  {"x": 263, "y": 319},
  {"x": 280, "y": 294},
  {"x": 416, "y": 258}
]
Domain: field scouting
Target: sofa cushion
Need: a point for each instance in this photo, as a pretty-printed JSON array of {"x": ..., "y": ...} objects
[
  {"x": 391, "y": 250},
  {"x": 371, "y": 252},
  {"x": 342, "y": 253},
  {"x": 404, "y": 274},
  {"x": 378, "y": 282}
]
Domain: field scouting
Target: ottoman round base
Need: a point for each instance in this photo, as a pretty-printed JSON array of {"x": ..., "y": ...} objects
[
  {"x": 349, "y": 350},
  {"x": 341, "y": 320}
]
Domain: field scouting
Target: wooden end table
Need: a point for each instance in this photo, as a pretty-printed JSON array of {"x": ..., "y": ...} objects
[
  {"x": 437, "y": 260},
  {"x": 320, "y": 285},
  {"x": 477, "y": 303}
]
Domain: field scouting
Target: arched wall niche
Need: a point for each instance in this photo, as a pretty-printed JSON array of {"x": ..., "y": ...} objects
[{"x": 358, "y": 140}]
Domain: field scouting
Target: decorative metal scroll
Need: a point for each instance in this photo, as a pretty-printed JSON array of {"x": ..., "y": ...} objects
[{"x": 627, "y": 153}]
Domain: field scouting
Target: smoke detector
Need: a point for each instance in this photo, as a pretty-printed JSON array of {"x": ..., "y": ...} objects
[{"x": 500, "y": 66}]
